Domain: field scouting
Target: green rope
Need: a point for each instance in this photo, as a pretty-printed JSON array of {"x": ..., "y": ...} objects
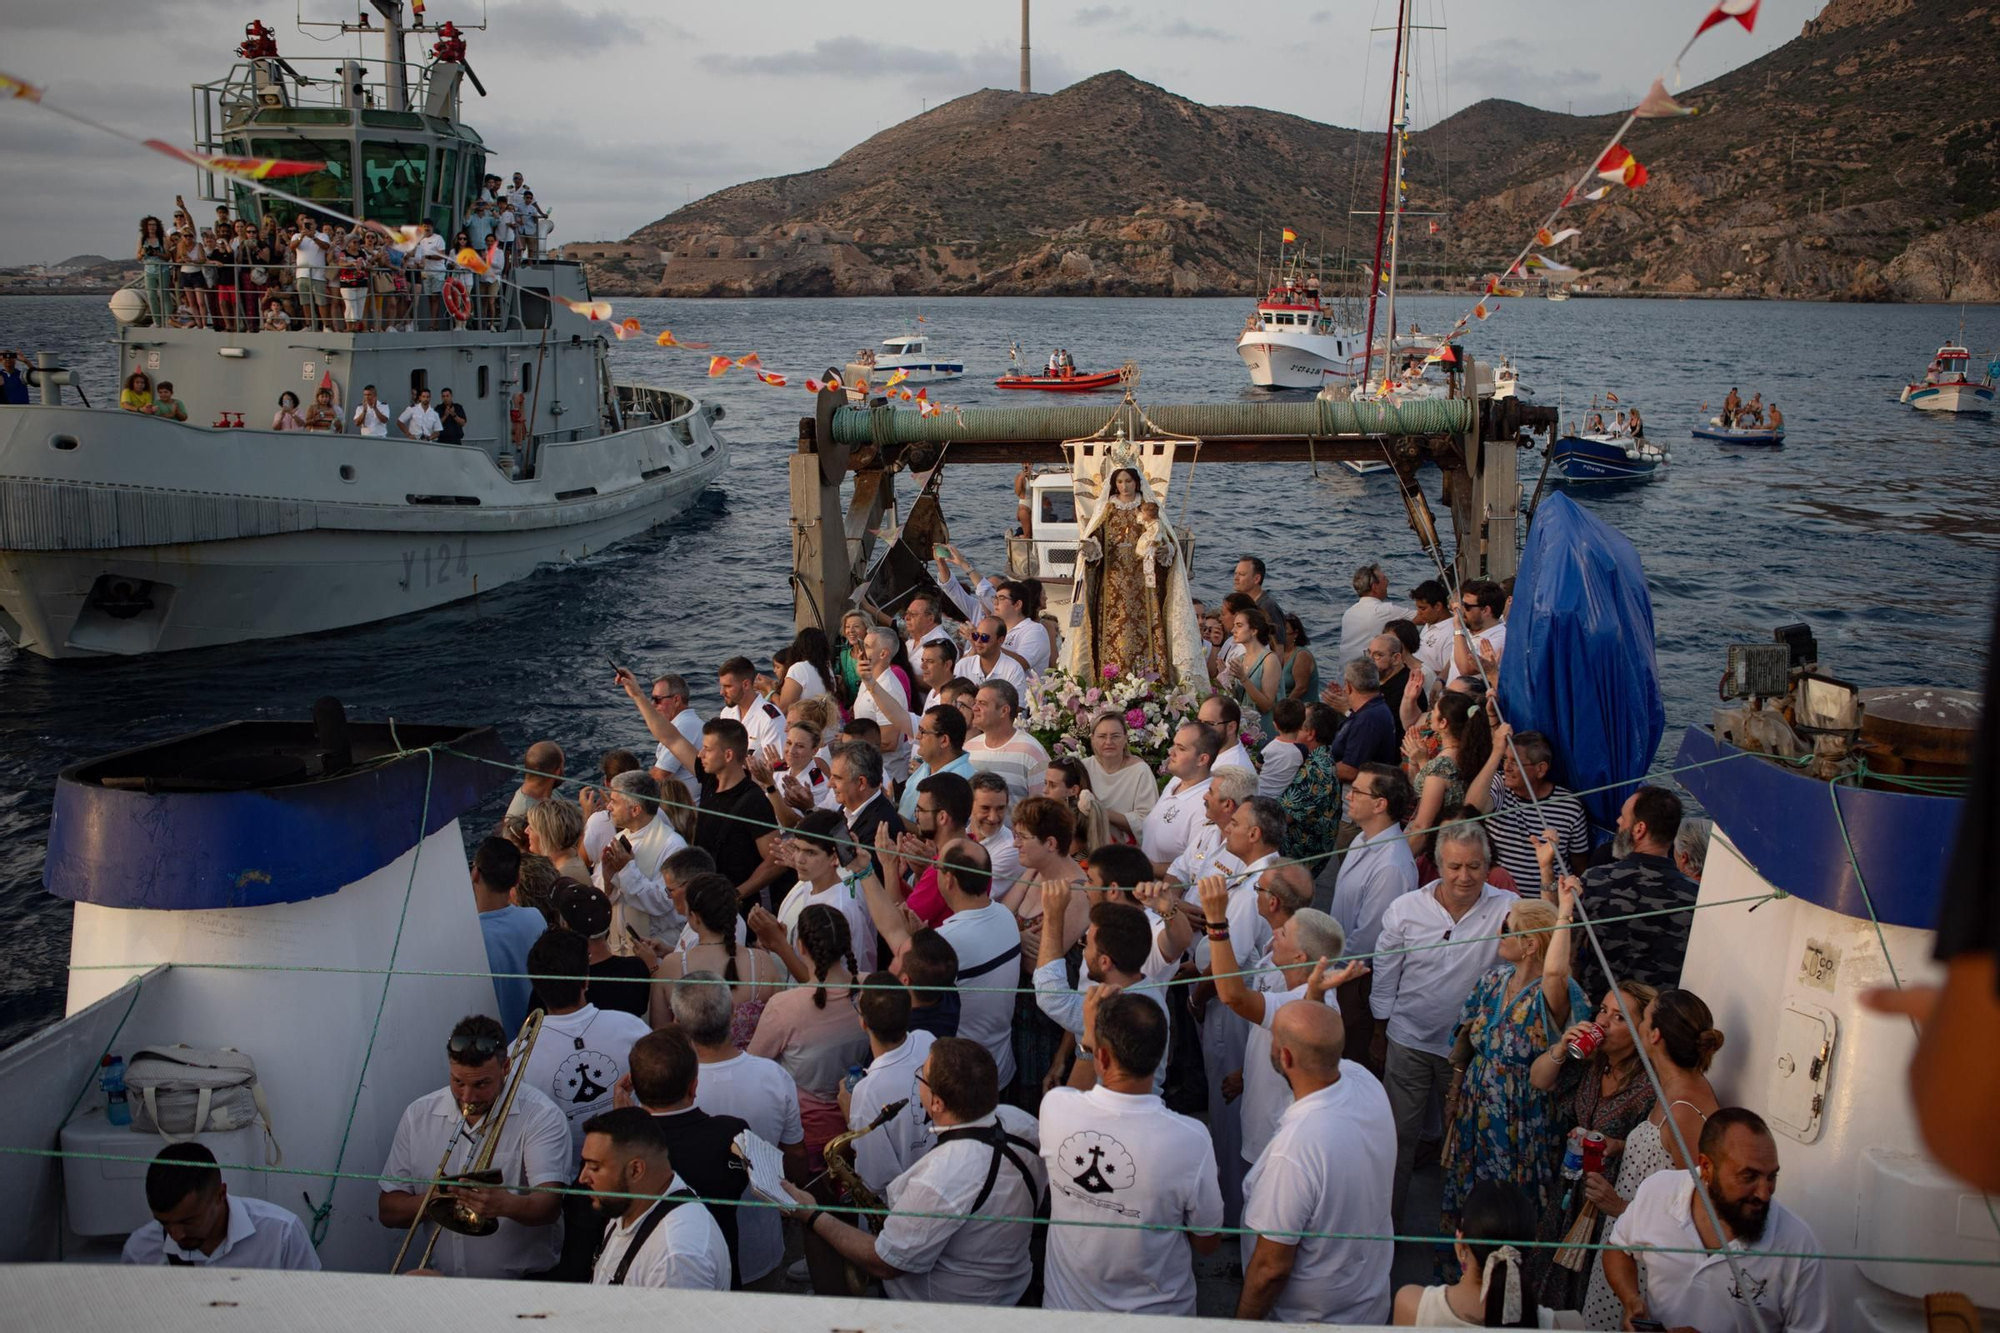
[
  {"x": 322, "y": 1214},
  {"x": 416, "y": 1183},
  {"x": 1752, "y": 899}
]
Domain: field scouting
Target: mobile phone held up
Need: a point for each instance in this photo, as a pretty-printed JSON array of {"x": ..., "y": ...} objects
[{"x": 625, "y": 842}]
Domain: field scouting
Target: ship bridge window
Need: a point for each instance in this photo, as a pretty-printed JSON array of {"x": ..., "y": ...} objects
[
  {"x": 483, "y": 378},
  {"x": 332, "y": 184},
  {"x": 394, "y": 175},
  {"x": 419, "y": 380}
]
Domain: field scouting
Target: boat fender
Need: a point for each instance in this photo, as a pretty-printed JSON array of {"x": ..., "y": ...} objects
[{"x": 455, "y": 300}]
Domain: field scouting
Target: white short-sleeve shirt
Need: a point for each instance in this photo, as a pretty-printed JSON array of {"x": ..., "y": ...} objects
[
  {"x": 1330, "y": 1168},
  {"x": 1117, "y": 1157},
  {"x": 973, "y": 1262},
  {"x": 688, "y": 723},
  {"x": 1174, "y": 819},
  {"x": 1697, "y": 1287},
  {"x": 686, "y": 1250},
  {"x": 259, "y": 1235},
  {"x": 1030, "y": 639},
  {"x": 577, "y": 1061},
  {"x": 762, "y": 1095},
  {"x": 888, "y": 1152},
  {"x": 1007, "y": 669},
  {"x": 765, "y": 722},
  {"x": 371, "y": 420},
  {"x": 896, "y": 762},
  {"x": 980, "y": 938},
  {"x": 844, "y": 897},
  {"x": 534, "y": 1149},
  {"x": 807, "y": 676}
]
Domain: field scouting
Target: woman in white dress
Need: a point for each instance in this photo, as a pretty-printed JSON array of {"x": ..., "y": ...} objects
[
  {"x": 1678, "y": 1033},
  {"x": 1119, "y": 779}
]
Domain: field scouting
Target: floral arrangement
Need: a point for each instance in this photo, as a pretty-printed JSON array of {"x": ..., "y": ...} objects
[{"x": 1062, "y": 709}]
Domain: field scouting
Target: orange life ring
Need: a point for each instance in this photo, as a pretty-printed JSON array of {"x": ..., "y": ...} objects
[{"x": 455, "y": 300}]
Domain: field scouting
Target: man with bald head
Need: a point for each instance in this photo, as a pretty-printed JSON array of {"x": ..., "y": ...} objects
[
  {"x": 544, "y": 762},
  {"x": 1327, "y": 1171}
]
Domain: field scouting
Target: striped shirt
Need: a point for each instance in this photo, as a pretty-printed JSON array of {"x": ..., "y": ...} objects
[
  {"x": 1514, "y": 819},
  {"x": 1020, "y": 759}
]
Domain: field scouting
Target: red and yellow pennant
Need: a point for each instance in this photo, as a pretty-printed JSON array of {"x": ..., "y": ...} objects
[
  {"x": 718, "y": 366},
  {"x": 250, "y": 168},
  {"x": 591, "y": 310},
  {"x": 13, "y": 87},
  {"x": 667, "y": 339},
  {"x": 1743, "y": 11},
  {"x": 1621, "y": 168},
  {"x": 749, "y": 361},
  {"x": 470, "y": 260},
  {"x": 626, "y": 328},
  {"x": 770, "y": 377}
]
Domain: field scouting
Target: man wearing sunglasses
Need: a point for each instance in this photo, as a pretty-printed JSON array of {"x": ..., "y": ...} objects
[
  {"x": 534, "y": 1150},
  {"x": 670, "y": 701},
  {"x": 1480, "y": 601},
  {"x": 987, "y": 661}
]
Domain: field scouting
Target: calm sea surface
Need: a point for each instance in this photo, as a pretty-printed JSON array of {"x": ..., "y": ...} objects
[{"x": 1877, "y": 524}]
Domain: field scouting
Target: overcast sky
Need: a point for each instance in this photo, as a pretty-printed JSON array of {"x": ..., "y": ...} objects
[{"x": 617, "y": 110}]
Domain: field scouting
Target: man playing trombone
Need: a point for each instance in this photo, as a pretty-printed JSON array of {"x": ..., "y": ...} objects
[{"x": 447, "y": 1132}]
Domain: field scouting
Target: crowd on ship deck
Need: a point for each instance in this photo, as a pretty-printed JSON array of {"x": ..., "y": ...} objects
[
  {"x": 1261, "y": 999},
  {"x": 293, "y": 269}
]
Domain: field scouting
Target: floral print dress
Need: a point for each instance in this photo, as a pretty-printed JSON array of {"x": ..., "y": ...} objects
[
  {"x": 1312, "y": 808},
  {"x": 1507, "y": 1130}
]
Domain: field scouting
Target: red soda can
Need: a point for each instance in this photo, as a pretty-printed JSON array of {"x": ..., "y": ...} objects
[
  {"x": 1584, "y": 1041},
  {"x": 1593, "y": 1152}
]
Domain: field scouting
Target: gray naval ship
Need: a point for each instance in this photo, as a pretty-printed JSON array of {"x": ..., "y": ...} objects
[{"x": 122, "y": 533}]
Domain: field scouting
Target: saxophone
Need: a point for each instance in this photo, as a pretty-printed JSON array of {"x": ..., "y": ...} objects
[{"x": 839, "y": 1153}]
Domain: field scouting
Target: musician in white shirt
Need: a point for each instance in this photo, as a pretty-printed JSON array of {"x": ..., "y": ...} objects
[
  {"x": 656, "y": 1240},
  {"x": 196, "y": 1220},
  {"x": 534, "y": 1149},
  {"x": 986, "y": 1165}
]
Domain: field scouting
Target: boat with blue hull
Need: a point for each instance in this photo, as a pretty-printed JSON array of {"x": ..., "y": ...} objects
[
  {"x": 1739, "y": 434},
  {"x": 1605, "y": 458}
]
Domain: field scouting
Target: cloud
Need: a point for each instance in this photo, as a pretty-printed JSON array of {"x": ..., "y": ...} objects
[
  {"x": 1094, "y": 16},
  {"x": 934, "y": 73},
  {"x": 553, "y": 28},
  {"x": 1322, "y": 16},
  {"x": 1512, "y": 70},
  {"x": 1119, "y": 17},
  {"x": 1182, "y": 28}
]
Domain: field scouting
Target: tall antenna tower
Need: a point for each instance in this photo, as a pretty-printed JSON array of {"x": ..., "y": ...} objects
[{"x": 1027, "y": 85}]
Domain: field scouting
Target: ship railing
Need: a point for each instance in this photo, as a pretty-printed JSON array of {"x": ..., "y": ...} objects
[{"x": 242, "y": 312}]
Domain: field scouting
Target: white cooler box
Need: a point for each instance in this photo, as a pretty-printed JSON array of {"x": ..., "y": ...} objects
[{"x": 107, "y": 1198}]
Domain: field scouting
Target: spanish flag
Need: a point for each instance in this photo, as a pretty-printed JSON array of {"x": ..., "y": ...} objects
[
  {"x": 1290, "y": 236},
  {"x": 251, "y": 168}
]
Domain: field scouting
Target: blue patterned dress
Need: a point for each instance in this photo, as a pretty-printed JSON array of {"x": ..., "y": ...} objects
[{"x": 1506, "y": 1129}]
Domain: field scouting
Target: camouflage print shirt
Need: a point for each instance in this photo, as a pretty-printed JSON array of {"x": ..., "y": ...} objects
[{"x": 1649, "y": 949}]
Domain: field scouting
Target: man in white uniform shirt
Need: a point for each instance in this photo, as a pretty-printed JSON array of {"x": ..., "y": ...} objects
[
  {"x": 1419, "y": 989},
  {"x": 1180, "y": 811},
  {"x": 665, "y": 1238},
  {"x": 196, "y": 1220},
  {"x": 1328, "y": 1170},
  {"x": 628, "y": 869},
  {"x": 1117, "y": 1155},
  {"x": 670, "y": 701},
  {"x": 998, "y": 746},
  {"x": 751, "y": 1088},
  {"x": 986, "y": 1165},
  {"x": 984, "y": 935},
  {"x": 1027, "y": 641},
  {"x": 419, "y": 420},
  {"x": 534, "y": 1149},
  {"x": 1691, "y": 1281},
  {"x": 1365, "y": 619},
  {"x": 371, "y": 417},
  {"x": 991, "y": 802},
  {"x": 897, "y": 1057},
  {"x": 986, "y": 658},
  {"x": 764, "y": 720}
]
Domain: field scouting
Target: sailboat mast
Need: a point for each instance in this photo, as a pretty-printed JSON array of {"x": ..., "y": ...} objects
[
  {"x": 1382, "y": 208},
  {"x": 1399, "y": 127}
]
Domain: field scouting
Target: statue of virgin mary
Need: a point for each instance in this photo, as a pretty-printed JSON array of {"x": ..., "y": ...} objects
[{"x": 1136, "y": 611}]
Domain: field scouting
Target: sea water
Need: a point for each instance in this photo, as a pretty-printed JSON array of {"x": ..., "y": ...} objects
[{"x": 1876, "y": 524}]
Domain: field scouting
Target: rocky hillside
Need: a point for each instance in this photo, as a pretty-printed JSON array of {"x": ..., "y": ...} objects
[{"x": 1859, "y": 160}]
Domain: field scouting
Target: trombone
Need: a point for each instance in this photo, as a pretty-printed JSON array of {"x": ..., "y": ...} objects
[{"x": 452, "y": 1214}]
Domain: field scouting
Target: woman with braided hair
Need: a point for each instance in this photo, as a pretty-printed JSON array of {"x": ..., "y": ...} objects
[
  {"x": 816, "y": 1034},
  {"x": 754, "y": 976}
]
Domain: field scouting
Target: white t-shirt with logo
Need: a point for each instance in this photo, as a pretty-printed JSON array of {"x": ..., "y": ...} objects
[
  {"x": 1117, "y": 1157},
  {"x": 1173, "y": 820},
  {"x": 577, "y": 1061}
]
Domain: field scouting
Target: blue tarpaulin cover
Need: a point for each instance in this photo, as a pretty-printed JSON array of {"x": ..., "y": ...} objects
[{"x": 1579, "y": 660}]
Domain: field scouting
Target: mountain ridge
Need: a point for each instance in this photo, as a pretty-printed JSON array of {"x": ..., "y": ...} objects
[{"x": 1858, "y": 160}]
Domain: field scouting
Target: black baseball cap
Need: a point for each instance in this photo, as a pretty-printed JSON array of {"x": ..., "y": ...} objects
[{"x": 584, "y": 909}]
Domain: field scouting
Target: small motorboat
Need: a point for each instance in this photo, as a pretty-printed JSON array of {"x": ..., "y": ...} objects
[
  {"x": 1605, "y": 456},
  {"x": 1067, "y": 379},
  {"x": 1722, "y": 434},
  {"x": 1947, "y": 388}
]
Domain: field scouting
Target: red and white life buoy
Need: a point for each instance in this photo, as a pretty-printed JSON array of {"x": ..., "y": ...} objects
[{"x": 456, "y": 301}]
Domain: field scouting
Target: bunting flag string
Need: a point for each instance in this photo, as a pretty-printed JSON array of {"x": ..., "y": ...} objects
[
  {"x": 667, "y": 339},
  {"x": 1613, "y": 164},
  {"x": 249, "y": 168}
]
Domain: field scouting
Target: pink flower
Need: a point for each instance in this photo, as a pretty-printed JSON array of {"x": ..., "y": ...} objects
[
  {"x": 1136, "y": 718},
  {"x": 1094, "y": 695},
  {"x": 1111, "y": 671}
]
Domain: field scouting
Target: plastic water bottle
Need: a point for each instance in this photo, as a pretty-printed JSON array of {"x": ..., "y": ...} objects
[
  {"x": 116, "y": 1108},
  {"x": 854, "y": 1073}
]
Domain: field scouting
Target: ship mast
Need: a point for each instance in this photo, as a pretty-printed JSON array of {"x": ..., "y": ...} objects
[
  {"x": 1391, "y": 158},
  {"x": 396, "y": 78},
  {"x": 1399, "y": 126}
]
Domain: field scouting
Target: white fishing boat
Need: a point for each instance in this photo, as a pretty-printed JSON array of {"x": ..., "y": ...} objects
[
  {"x": 1292, "y": 340},
  {"x": 124, "y": 533},
  {"x": 1559, "y": 296},
  {"x": 1947, "y": 387},
  {"x": 908, "y": 353}
]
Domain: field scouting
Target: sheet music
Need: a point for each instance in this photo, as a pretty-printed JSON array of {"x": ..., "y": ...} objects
[{"x": 767, "y": 1167}]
